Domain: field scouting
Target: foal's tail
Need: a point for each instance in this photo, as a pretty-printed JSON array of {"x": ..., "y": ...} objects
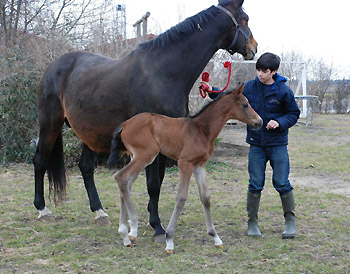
[
  {"x": 117, "y": 145},
  {"x": 56, "y": 171}
]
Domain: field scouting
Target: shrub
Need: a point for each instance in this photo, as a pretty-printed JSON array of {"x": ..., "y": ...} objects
[{"x": 18, "y": 115}]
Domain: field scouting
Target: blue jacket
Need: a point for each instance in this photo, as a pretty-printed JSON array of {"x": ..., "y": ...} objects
[{"x": 278, "y": 104}]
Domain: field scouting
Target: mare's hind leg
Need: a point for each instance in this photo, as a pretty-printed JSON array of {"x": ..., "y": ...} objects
[
  {"x": 87, "y": 168},
  {"x": 40, "y": 161},
  {"x": 51, "y": 121},
  {"x": 185, "y": 176},
  {"x": 155, "y": 175},
  {"x": 200, "y": 175}
]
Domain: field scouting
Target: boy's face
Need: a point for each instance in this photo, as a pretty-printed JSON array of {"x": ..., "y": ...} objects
[{"x": 265, "y": 76}]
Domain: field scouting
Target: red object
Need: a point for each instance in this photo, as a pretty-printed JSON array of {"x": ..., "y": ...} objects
[
  {"x": 204, "y": 88},
  {"x": 205, "y": 77}
]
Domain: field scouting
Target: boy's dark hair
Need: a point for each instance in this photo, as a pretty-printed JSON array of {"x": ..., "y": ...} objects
[{"x": 268, "y": 61}]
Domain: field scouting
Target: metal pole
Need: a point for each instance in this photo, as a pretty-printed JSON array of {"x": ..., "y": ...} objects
[{"x": 303, "y": 83}]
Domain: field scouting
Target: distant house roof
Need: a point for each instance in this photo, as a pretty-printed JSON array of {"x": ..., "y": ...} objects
[{"x": 149, "y": 37}]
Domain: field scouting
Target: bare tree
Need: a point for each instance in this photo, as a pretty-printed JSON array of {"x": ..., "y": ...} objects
[
  {"x": 292, "y": 68},
  {"x": 47, "y": 18},
  {"x": 16, "y": 16},
  {"x": 342, "y": 96},
  {"x": 321, "y": 76},
  {"x": 45, "y": 29}
]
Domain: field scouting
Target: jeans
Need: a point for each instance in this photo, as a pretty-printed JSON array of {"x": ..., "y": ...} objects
[{"x": 279, "y": 161}]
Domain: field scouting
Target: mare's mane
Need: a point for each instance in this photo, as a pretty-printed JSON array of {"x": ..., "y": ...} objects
[
  {"x": 210, "y": 103},
  {"x": 189, "y": 25}
]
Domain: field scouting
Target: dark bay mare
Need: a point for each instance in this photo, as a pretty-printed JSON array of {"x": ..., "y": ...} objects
[
  {"x": 94, "y": 94},
  {"x": 189, "y": 141}
]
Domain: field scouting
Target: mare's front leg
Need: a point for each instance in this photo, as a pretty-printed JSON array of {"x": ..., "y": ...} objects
[
  {"x": 185, "y": 177},
  {"x": 200, "y": 175},
  {"x": 155, "y": 175},
  {"x": 87, "y": 168}
]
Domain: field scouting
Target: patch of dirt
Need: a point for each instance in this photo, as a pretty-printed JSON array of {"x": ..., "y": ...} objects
[
  {"x": 324, "y": 184},
  {"x": 232, "y": 145}
]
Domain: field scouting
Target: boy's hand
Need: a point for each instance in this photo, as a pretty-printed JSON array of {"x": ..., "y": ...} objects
[{"x": 272, "y": 124}]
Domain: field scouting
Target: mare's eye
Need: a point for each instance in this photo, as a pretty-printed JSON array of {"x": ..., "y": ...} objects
[{"x": 245, "y": 105}]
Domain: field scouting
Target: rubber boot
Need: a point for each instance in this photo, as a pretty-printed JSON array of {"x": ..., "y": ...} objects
[
  {"x": 253, "y": 201},
  {"x": 289, "y": 216}
]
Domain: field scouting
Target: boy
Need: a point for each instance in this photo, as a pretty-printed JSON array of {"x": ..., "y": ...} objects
[{"x": 274, "y": 101}]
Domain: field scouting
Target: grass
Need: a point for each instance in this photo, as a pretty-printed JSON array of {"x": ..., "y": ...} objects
[
  {"x": 322, "y": 148},
  {"x": 75, "y": 244}
]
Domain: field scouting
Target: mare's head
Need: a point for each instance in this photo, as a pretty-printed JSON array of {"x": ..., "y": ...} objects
[
  {"x": 241, "y": 39},
  {"x": 242, "y": 111}
]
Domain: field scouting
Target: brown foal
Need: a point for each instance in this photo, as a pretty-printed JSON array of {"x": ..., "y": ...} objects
[{"x": 190, "y": 141}]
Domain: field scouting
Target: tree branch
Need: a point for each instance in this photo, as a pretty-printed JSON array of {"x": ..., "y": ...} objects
[{"x": 79, "y": 17}]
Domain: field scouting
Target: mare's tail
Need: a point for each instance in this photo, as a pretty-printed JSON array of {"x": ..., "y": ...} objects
[
  {"x": 117, "y": 145},
  {"x": 56, "y": 171}
]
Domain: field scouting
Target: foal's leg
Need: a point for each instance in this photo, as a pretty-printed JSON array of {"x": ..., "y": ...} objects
[
  {"x": 125, "y": 179},
  {"x": 123, "y": 227},
  {"x": 155, "y": 175},
  {"x": 87, "y": 168},
  {"x": 200, "y": 175},
  {"x": 185, "y": 177}
]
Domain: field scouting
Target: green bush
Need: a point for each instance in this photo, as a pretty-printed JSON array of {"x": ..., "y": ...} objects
[
  {"x": 72, "y": 147},
  {"x": 18, "y": 117}
]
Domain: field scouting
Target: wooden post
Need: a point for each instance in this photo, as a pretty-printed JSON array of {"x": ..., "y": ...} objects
[{"x": 143, "y": 20}]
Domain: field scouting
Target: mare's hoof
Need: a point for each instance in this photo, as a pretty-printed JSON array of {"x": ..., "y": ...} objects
[
  {"x": 47, "y": 219},
  {"x": 103, "y": 220},
  {"x": 130, "y": 245},
  {"x": 132, "y": 238},
  {"x": 160, "y": 238},
  {"x": 219, "y": 246},
  {"x": 159, "y": 234},
  {"x": 169, "y": 251}
]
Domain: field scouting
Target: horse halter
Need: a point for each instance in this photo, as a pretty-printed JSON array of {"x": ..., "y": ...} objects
[{"x": 238, "y": 30}]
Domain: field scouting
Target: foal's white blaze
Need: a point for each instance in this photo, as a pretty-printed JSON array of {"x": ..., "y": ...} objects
[
  {"x": 44, "y": 212},
  {"x": 100, "y": 213}
]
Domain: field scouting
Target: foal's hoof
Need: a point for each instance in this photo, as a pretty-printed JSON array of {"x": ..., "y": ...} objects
[
  {"x": 219, "y": 246},
  {"x": 47, "y": 219},
  {"x": 132, "y": 238},
  {"x": 169, "y": 251},
  {"x": 103, "y": 220}
]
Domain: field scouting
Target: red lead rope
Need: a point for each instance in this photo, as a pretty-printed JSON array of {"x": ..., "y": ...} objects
[{"x": 204, "y": 88}]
